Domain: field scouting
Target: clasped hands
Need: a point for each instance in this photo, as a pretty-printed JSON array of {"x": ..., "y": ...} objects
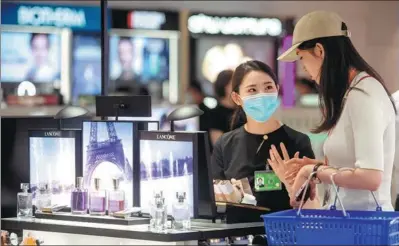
[{"x": 293, "y": 172}]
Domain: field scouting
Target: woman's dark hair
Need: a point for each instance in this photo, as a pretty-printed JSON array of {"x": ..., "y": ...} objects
[
  {"x": 222, "y": 80},
  {"x": 340, "y": 56},
  {"x": 239, "y": 74}
]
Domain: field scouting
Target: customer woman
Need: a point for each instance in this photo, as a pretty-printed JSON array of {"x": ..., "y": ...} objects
[
  {"x": 243, "y": 151},
  {"x": 358, "y": 113}
]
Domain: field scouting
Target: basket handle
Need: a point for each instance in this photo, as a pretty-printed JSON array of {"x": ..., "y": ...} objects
[
  {"x": 302, "y": 203},
  {"x": 336, "y": 188}
]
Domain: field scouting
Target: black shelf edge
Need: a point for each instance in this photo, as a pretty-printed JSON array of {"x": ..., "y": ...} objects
[{"x": 93, "y": 219}]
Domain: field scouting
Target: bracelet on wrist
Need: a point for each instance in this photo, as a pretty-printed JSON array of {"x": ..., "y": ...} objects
[{"x": 315, "y": 169}]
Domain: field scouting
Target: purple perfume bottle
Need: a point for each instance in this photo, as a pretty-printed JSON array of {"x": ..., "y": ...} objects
[
  {"x": 98, "y": 199},
  {"x": 79, "y": 198},
  {"x": 116, "y": 198}
]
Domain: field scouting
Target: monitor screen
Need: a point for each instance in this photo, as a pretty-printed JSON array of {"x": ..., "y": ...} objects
[
  {"x": 86, "y": 65},
  {"x": 52, "y": 162},
  {"x": 138, "y": 61},
  {"x": 107, "y": 154},
  {"x": 35, "y": 57},
  {"x": 214, "y": 54},
  {"x": 167, "y": 165}
]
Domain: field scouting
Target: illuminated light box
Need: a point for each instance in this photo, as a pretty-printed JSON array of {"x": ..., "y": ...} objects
[
  {"x": 53, "y": 158},
  {"x": 167, "y": 164},
  {"x": 36, "y": 57},
  {"x": 108, "y": 153}
]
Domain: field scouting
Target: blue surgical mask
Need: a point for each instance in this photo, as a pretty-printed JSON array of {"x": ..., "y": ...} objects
[{"x": 261, "y": 107}]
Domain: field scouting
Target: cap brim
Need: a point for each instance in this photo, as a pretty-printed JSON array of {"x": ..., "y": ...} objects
[{"x": 290, "y": 54}]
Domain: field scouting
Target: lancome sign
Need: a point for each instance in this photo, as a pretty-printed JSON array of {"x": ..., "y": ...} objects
[
  {"x": 74, "y": 17},
  {"x": 222, "y": 25},
  {"x": 52, "y": 134},
  {"x": 166, "y": 137}
]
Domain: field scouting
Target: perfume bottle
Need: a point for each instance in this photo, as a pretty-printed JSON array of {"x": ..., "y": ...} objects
[
  {"x": 161, "y": 215},
  {"x": 79, "y": 198},
  {"x": 116, "y": 198},
  {"x": 24, "y": 202},
  {"x": 43, "y": 197},
  {"x": 181, "y": 212},
  {"x": 152, "y": 207},
  {"x": 98, "y": 199}
]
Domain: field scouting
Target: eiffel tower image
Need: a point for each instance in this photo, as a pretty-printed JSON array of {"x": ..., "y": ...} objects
[{"x": 110, "y": 150}]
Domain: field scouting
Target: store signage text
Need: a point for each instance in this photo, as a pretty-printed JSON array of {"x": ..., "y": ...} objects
[
  {"x": 51, "y": 16},
  {"x": 146, "y": 20},
  {"x": 205, "y": 24},
  {"x": 52, "y": 134},
  {"x": 166, "y": 137}
]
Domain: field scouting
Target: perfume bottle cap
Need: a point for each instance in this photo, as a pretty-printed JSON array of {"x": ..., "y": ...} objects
[
  {"x": 43, "y": 188},
  {"x": 97, "y": 182},
  {"x": 181, "y": 196},
  {"x": 79, "y": 182},
  {"x": 24, "y": 186},
  {"x": 115, "y": 183}
]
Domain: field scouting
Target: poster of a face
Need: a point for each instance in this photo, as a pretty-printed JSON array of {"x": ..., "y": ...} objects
[
  {"x": 166, "y": 166},
  {"x": 86, "y": 60},
  {"x": 36, "y": 57},
  {"x": 108, "y": 154}
]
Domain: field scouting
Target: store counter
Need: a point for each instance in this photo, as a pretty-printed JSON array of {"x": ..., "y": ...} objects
[{"x": 61, "y": 232}]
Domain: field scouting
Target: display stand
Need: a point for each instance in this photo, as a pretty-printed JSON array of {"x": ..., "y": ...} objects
[
  {"x": 61, "y": 232},
  {"x": 93, "y": 219},
  {"x": 240, "y": 213}
]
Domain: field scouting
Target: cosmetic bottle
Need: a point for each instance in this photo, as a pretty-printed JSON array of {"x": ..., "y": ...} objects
[
  {"x": 152, "y": 207},
  {"x": 161, "y": 215},
  {"x": 181, "y": 212},
  {"x": 79, "y": 198},
  {"x": 24, "y": 202},
  {"x": 43, "y": 197},
  {"x": 116, "y": 198},
  {"x": 98, "y": 199}
]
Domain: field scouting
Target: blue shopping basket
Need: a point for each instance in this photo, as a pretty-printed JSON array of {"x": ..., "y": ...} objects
[{"x": 332, "y": 227}]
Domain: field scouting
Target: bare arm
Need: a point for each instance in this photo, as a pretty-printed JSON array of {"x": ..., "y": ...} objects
[{"x": 359, "y": 178}]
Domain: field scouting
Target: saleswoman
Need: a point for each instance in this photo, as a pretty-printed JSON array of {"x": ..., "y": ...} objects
[
  {"x": 243, "y": 152},
  {"x": 358, "y": 113}
]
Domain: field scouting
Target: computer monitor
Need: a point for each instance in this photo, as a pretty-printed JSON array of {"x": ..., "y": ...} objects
[
  {"x": 108, "y": 152},
  {"x": 54, "y": 157}
]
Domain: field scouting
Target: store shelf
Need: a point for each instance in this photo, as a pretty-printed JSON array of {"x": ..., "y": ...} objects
[{"x": 199, "y": 231}]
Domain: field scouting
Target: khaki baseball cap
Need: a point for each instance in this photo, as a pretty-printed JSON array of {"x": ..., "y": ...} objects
[{"x": 317, "y": 24}]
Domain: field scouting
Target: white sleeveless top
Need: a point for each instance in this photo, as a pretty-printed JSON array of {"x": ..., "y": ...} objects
[{"x": 364, "y": 137}]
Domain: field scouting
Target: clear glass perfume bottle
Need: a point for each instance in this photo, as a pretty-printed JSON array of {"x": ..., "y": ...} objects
[
  {"x": 79, "y": 198},
  {"x": 24, "y": 202},
  {"x": 152, "y": 207},
  {"x": 161, "y": 215},
  {"x": 116, "y": 198},
  {"x": 98, "y": 199},
  {"x": 181, "y": 212},
  {"x": 43, "y": 197}
]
